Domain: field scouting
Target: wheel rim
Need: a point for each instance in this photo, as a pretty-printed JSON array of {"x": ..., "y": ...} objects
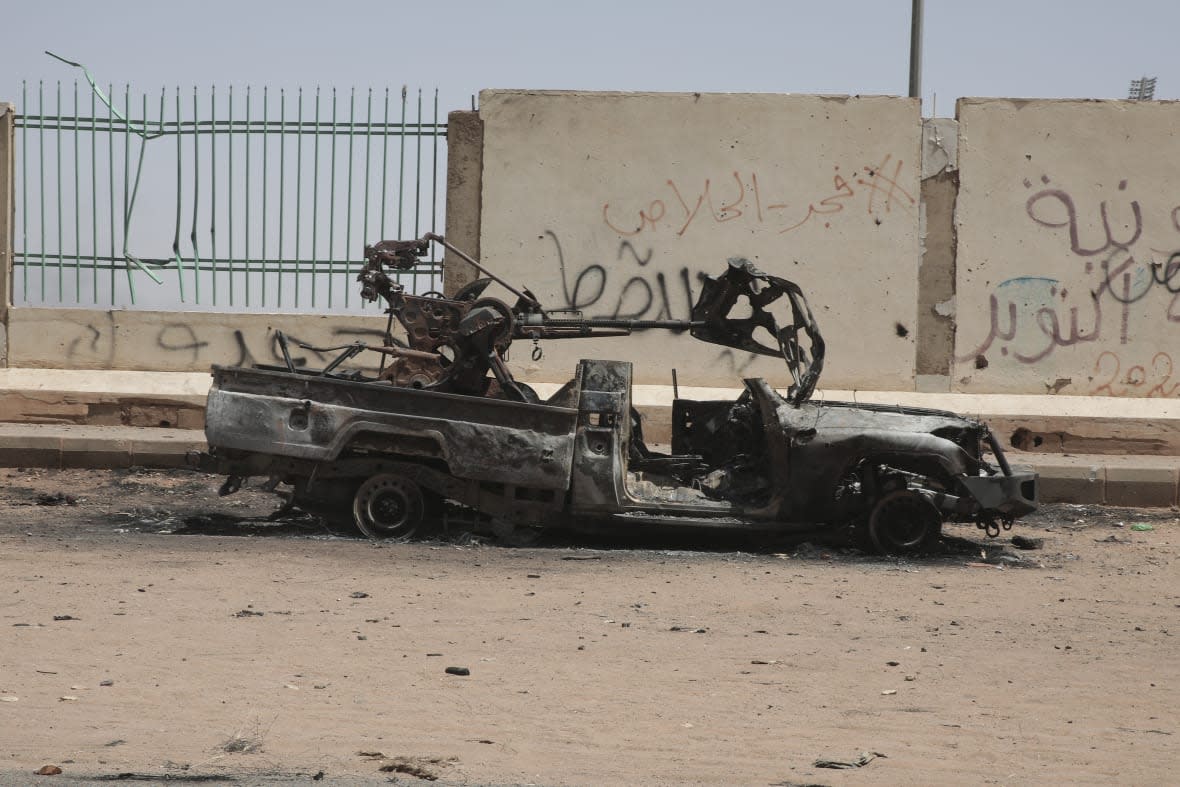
[
  {"x": 388, "y": 507},
  {"x": 904, "y": 521}
]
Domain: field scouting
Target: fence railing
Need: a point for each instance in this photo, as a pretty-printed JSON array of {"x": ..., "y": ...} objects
[{"x": 238, "y": 199}]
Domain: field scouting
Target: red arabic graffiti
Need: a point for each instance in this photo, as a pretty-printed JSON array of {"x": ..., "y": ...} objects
[{"x": 740, "y": 196}]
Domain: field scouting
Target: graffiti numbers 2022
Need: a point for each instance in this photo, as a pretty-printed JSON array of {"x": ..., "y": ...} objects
[{"x": 1115, "y": 377}]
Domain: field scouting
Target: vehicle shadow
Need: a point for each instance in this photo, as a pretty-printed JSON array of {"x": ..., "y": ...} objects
[{"x": 811, "y": 546}]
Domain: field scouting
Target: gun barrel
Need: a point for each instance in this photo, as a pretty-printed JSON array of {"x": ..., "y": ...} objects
[
  {"x": 541, "y": 321},
  {"x": 542, "y": 327}
]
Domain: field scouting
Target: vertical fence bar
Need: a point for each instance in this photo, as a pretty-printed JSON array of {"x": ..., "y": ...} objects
[
  {"x": 143, "y": 119},
  {"x": 57, "y": 175},
  {"x": 384, "y": 161},
  {"x": 315, "y": 196},
  {"x": 111, "y": 186},
  {"x": 434, "y": 192},
  {"x": 41, "y": 153},
  {"x": 282, "y": 188},
  {"x": 213, "y": 191},
  {"x": 179, "y": 186},
  {"x": 24, "y": 194},
  {"x": 246, "y": 230},
  {"x": 229, "y": 255},
  {"x": 368, "y": 147},
  {"x": 77, "y": 207},
  {"x": 418, "y": 183},
  {"x": 282, "y": 194},
  {"x": 401, "y": 168},
  {"x": 298, "y": 191},
  {"x": 126, "y": 187},
  {"x": 266, "y": 188},
  {"x": 196, "y": 198},
  {"x": 418, "y": 171},
  {"x": 94, "y": 197},
  {"x": 332, "y": 208},
  {"x": 348, "y": 209},
  {"x": 159, "y": 125}
]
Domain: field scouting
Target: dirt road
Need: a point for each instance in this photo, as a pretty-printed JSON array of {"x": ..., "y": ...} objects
[{"x": 144, "y": 631}]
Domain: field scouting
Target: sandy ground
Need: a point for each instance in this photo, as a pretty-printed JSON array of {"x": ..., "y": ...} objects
[{"x": 146, "y": 633}]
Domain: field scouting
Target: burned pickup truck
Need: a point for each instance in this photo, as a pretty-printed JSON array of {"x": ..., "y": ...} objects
[{"x": 444, "y": 420}]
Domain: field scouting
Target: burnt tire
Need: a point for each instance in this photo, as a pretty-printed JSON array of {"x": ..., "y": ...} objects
[
  {"x": 389, "y": 507},
  {"x": 904, "y": 522}
]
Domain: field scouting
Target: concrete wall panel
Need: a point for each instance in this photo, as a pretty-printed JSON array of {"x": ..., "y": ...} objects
[
  {"x": 1062, "y": 208},
  {"x": 177, "y": 341},
  {"x": 464, "y": 173},
  {"x": 936, "y": 280},
  {"x": 615, "y": 204}
]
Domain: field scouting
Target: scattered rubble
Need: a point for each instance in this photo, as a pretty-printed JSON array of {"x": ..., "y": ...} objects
[{"x": 861, "y": 760}]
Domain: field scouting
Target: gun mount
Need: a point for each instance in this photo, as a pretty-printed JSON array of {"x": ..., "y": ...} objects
[{"x": 453, "y": 343}]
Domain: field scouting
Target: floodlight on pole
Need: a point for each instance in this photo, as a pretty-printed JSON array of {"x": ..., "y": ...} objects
[{"x": 1142, "y": 89}]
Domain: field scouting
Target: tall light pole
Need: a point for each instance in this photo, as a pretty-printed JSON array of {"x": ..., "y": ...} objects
[{"x": 916, "y": 50}]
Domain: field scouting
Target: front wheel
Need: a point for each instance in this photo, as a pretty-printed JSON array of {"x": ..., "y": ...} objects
[
  {"x": 389, "y": 507},
  {"x": 904, "y": 522}
]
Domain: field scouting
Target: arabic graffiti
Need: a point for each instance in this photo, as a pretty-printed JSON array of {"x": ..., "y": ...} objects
[
  {"x": 199, "y": 345},
  {"x": 643, "y": 294},
  {"x": 1031, "y": 326},
  {"x": 640, "y": 294},
  {"x": 1030, "y": 317},
  {"x": 1069, "y": 219},
  {"x": 739, "y": 195}
]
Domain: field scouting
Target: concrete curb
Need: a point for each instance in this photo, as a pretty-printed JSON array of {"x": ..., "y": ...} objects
[
  {"x": 59, "y": 418},
  {"x": 1098, "y": 479},
  {"x": 96, "y": 447}
]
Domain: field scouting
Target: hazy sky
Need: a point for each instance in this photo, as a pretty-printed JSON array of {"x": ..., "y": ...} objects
[{"x": 1025, "y": 48}]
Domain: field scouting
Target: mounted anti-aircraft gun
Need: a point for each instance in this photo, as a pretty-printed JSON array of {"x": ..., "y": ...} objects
[
  {"x": 445, "y": 420},
  {"x": 452, "y": 343}
]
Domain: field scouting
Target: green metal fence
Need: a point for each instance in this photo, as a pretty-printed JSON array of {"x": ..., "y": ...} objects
[{"x": 240, "y": 199}]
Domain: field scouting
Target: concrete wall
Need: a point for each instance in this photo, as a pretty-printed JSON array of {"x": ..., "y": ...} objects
[
  {"x": 1007, "y": 252},
  {"x": 615, "y": 204},
  {"x": 1062, "y": 208}
]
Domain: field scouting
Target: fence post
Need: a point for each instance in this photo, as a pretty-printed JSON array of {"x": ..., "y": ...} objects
[
  {"x": 7, "y": 215},
  {"x": 936, "y": 273},
  {"x": 464, "y": 192}
]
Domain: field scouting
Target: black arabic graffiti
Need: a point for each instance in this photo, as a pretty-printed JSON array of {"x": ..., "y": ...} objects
[
  {"x": 199, "y": 344},
  {"x": 651, "y": 300},
  {"x": 596, "y": 276}
]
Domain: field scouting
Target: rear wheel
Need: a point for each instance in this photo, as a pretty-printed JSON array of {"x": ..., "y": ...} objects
[
  {"x": 904, "y": 522},
  {"x": 389, "y": 507}
]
